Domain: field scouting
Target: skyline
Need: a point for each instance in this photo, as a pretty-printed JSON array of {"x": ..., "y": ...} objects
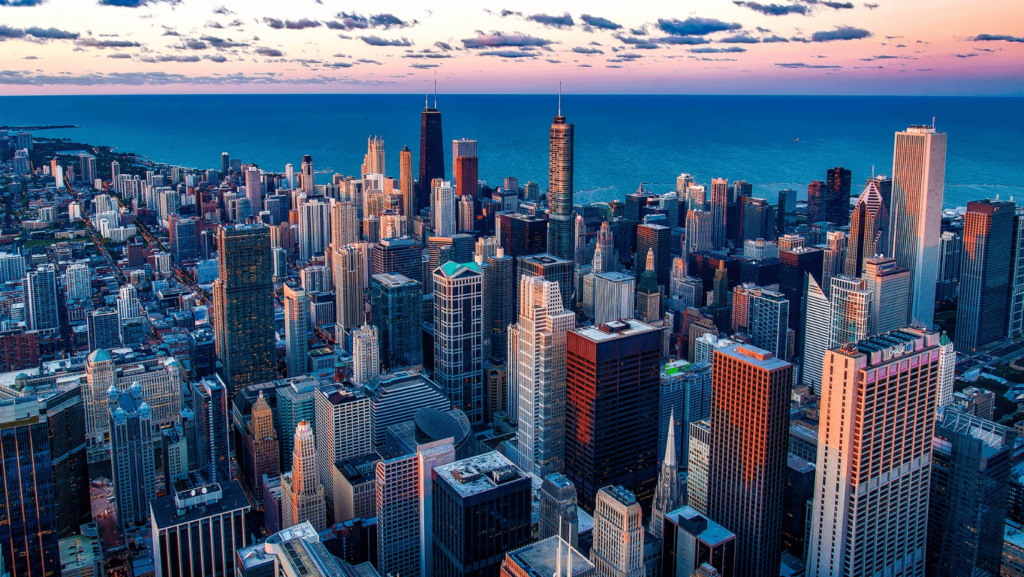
[{"x": 723, "y": 47}]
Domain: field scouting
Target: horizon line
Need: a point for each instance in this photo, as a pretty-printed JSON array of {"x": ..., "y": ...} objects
[{"x": 544, "y": 94}]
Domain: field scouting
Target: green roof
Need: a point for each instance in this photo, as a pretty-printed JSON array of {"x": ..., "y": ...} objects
[
  {"x": 99, "y": 356},
  {"x": 451, "y": 268}
]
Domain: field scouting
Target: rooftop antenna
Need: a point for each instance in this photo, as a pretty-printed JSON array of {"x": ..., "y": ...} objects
[
  {"x": 426, "y": 97},
  {"x": 872, "y": 172},
  {"x": 559, "y": 97},
  {"x": 435, "y": 90},
  {"x": 933, "y": 123}
]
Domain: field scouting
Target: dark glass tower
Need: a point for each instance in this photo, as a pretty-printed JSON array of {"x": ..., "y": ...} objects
[
  {"x": 837, "y": 196},
  {"x": 431, "y": 153},
  {"x": 560, "y": 172},
  {"x": 65, "y": 414},
  {"x": 815, "y": 202},
  {"x": 397, "y": 305}
]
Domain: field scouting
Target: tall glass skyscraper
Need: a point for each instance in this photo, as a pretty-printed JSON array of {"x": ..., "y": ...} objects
[
  {"x": 431, "y": 153},
  {"x": 560, "y": 188}
]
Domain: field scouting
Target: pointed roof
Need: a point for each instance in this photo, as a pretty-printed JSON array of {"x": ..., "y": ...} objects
[
  {"x": 670, "y": 443},
  {"x": 650, "y": 259}
]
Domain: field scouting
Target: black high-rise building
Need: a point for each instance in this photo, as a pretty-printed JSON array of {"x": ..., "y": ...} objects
[
  {"x": 65, "y": 415},
  {"x": 792, "y": 266},
  {"x": 837, "y": 196},
  {"x": 611, "y": 410},
  {"x": 815, "y": 202},
  {"x": 561, "y": 225},
  {"x": 522, "y": 235},
  {"x": 431, "y": 153},
  {"x": 659, "y": 239}
]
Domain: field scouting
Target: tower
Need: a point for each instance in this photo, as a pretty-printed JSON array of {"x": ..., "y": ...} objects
[
  {"x": 261, "y": 447},
  {"x": 131, "y": 455},
  {"x": 985, "y": 273},
  {"x": 543, "y": 325},
  {"x": 405, "y": 180},
  {"x": 558, "y": 515},
  {"x": 749, "y": 440},
  {"x": 618, "y": 534},
  {"x": 442, "y": 209},
  {"x": 302, "y": 495},
  {"x": 648, "y": 293},
  {"x": 244, "y": 307},
  {"x": 41, "y": 294},
  {"x": 719, "y": 200},
  {"x": 837, "y": 196},
  {"x": 373, "y": 161},
  {"x": 308, "y": 177},
  {"x": 397, "y": 305},
  {"x": 365, "y": 354},
  {"x": 699, "y": 236},
  {"x": 834, "y": 258},
  {"x": 458, "y": 336},
  {"x": 670, "y": 493},
  {"x": 560, "y": 186},
  {"x": 919, "y": 167},
  {"x": 867, "y": 229},
  {"x": 890, "y": 288},
  {"x": 431, "y": 152},
  {"x": 881, "y": 530},
  {"x": 295, "y": 320}
]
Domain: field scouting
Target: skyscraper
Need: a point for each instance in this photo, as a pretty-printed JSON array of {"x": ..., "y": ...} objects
[
  {"x": 815, "y": 202},
  {"x": 458, "y": 336},
  {"x": 314, "y": 228},
  {"x": 29, "y": 515},
  {"x": 656, "y": 238},
  {"x": 648, "y": 293},
  {"x": 431, "y": 153},
  {"x": 41, "y": 297},
  {"x": 348, "y": 286},
  {"x": 699, "y": 235},
  {"x": 558, "y": 515},
  {"x": 467, "y": 177},
  {"x": 373, "y": 160},
  {"x": 698, "y": 465},
  {"x": 522, "y": 235},
  {"x": 262, "y": 451},
  {"x": 295, "y": 320},
  {"x": 308, "y": 178},
  {"x": 302, "y": 495},
  {"x": 541, "y": 331},
  {"x": 749, "y": 439},
  {"x": 551, "y": 268},
  {"x": 407, "y": 183},
  {"x": 397, "y": 305},
  {"x": 837, "y": 196},
  {"x": 719, "y": 199},
  {"x": 344, "y": 223},
  {"x": 77, "y": 282},
  {"x": 613, "y": 297},
  {"x": 985, "y": 274},
  {"x": 867, "y": 229},
  {"x": 481, "y": 509},
  {"x": 670, "y": 493},
  {"x": 817, "y": 319},
  {"x": 971, "y": 463},
  {"x": 618, "y": 534},
  {"x": 851, "y": 311},
  {"x": 611, "y": 423},
  {"x": 500, "y": 291},
  {"x": 197, "y": 532},
  {"x": 919, "y": 167},
  {"x": 243, "y": 299},
  {"x": 1015, "y": 314},
  {"x": 861, "y": 526},
  {"x": 547, "y": 557},
  {"x": 131, "y": 455},
  {"x": 834, "y": 258},
  {"x": 210, "y": 406},
  {"x": 365, "y": 354},
  {"x": 560, "y": 187},
  {"x": 890, "y": 288},
  {"x": 442, "y": 209},
  {"x": 769, "y": 314},
  {"x": 398, "y": 506}
]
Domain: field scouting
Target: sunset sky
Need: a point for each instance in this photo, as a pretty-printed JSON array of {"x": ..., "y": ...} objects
[{"x": 918, "y": 47}]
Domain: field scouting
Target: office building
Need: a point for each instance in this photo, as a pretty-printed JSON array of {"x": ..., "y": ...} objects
[
  {"x": 29, "y": 515},
  {"x": 302, "y": 495},
  {"x": 262, "y": 450},
  {"x": 749, "y": 430},
  {"x": 540, "y": 375},
  {"x": 396, "y": 302},
  {"x": 618, "y": 534},
  {"x": 560, "y": 189},
  {"x": 458, "y": 336},
  {"x": 971, "y": 462},
  {"x": 41, "y": 297},
  {"x": 612, "y": 298},
  {"x": 431, "y": 153},
  {"x": 342, "y": 432},
  {"x": 684, "y": 398},
  {"x": 481, "y": 509},
  {"x": 183, "y": 237},
  {"x": 769, "y": 315},
  {"x": 398, "y": 506},
  {"x": 307, "y": 177},
  {"x": 348, "y": 286},
  {"x": 551, "y": 268},
  {"x": 395, "y": 398},
  {"x": 295, "y": 329},
  {"x": 817, "y": 327},
  {"x": 915, "y": 214},
  {"x": 131, "y": 456},
  {"x": 759, "y": 249},
  {"x": 558, "y": 514},
  {"x": 797, "y": 501},
  {"x": 442, "y": 209},
  {"x": 12, "y": 267},
  {"x": 868, "y": 226},
  {"x": 344, "y": 223},
  {"x": 718, "y": 201},
  {"x": 986, "y": 267},
  {"x": 500, "y": 291},
  {"x": 314, "y": 228},
  {"x": 851, "y": 311},
  {"x": 210, "y": 405},
  {"x": 244, "y": 306},
  {"x": 834, "y": 258},
  {"x": 65, "y": 415},
  {"x": 365, "y": 354},
  {"x": 104, "y": 330},
  {"x": 1015, "y": 312},
  {"x": 692, "y": 542},
  {"x": 816, "y": 203},
  {"x": 547, "y": 557},
  {"x": 522, "y": 235},
  {"x": 837, "y": 196},
  {"x": 295, "y": 402},
  {"x": 886, "y": 523},
  {"x": 793, "y": 265},
  {"x": 197, "y": 532},
  {"x": 699, "y": 233},
  {"x": 656, "y": 239},
  {"x": 698, "y": 464},
  {"x": 890, "y": 289},
  {"x": 611, "y": 424}
]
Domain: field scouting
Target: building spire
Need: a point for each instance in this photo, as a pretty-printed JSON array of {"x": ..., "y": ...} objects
[{"x": 670, "y": 443}]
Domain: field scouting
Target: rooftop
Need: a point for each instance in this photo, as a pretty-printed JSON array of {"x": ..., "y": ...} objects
[
  {"x": 479, "y": 474},
  {"x": 800, "y": 464},
  {"x": 708, "y": 531},
  {"x": 165, "y": 511},
  {"x": 631, "y": 327},
  {"x": 752, "y": 355},
  {"x": 540, "y": 558},
  {"x": 543, "y": 259}
]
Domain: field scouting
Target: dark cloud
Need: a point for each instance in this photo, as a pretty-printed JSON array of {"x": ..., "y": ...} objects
[
  {"x": 192, "y": 45},
  {"x": 773, "y": 9},
  {"x": 300, "y": 24},
  {"x": 872, "y": 7},
  {"x": 429, "y": 54},
  {"x": 505, "y": 13},
  {"x": 613, "y": 66},
  {"x": 443, "y": 45},
  {"x": 969, "y": 55},
  {"x": 684, "y": 40},
  {"x": 94, "y": 43},
  {"x": 838, "y": 5},
  {"x": 170, "y": 58},
  {"x": 584, "y": 50},
  {"x": 840, "y": 33},
  {"x": 695, "y": 26},
  {"x": 799, "y": 39},
  {"x": 739, "y": 39},
  {"x": 219, "y": 58},
  {"x": 508, "y": 54},
  {"x": 641, "y": 31},
  {"x": 222, "y": 43},
  {"x": 774, "y": 39},
  {"x": 991, "y": 37},
  {"x": 712, "y": 50},
  {"x": 51, "y": 33},
  {"x": 368, "y": 61},
  {"x": 353, "y": 21},
  {"x": 500, "y": 40},
  {"x": 422, "y": 65},
  {"x": 598, "y": 22},
  {"x": 378, "y": 41},
  {"x": 168, "y": 31},
  {"x": 639, "y": 43},
  {"x": 212, "y": 24},
  {"x": 552, "y": 61},
  {"x": 563, "y": 21},
  {"x": 273, "y": 52},
  {"x": 30, "y": 57},
  {"x": 802, "y": 65},
  {"x": 120, "y": 55},
  {"x": 583, "y": 66},
  {"x": 223, "y": 11},
  {"x": 134, "y": 3},
  {"x": 339, "y": 64},
  {"x": 21, "y": 2}
]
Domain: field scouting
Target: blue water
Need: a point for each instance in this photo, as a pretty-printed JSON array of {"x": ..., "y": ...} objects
[{"x": 620, "y": 140}]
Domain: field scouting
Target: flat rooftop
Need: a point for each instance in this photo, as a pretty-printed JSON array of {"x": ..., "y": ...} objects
[
  {"x": 753, "y": 355},
  {"x": 540, "y": 558},
  {"x": 631, "y": 327},
  {"x": 479, "y": 474}
]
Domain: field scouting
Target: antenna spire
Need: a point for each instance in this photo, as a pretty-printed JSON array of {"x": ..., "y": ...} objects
[
  {"x": 435, "y": 91},
  {"x": 560, "y": 98},
  {"x": 426, "y": 96},
  {"x": 933, "y": 123},
  {"x": 872, "y": 172}
]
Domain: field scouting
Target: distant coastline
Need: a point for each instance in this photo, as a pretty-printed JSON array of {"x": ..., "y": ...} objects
[{"x": 30, "y": 128}]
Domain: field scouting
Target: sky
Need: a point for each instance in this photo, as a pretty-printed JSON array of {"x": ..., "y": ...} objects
[{"x": 890, "y": 47}]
